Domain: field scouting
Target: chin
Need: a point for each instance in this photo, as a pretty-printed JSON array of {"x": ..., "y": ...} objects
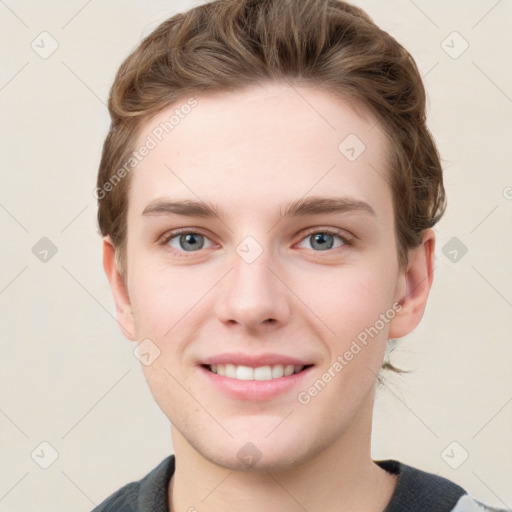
[
  {"x": 260, "y": 453},
  {"x": 250, "y": 459}
]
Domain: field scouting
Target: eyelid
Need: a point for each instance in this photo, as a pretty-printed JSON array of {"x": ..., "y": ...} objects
[{"x": 179, "y": 231}]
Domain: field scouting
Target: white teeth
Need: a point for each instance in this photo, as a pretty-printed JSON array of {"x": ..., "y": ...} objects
[
  {"x": 288, "y": 369},
  {"x": 263, "y": 373},
  {"x": 260, "y": 373},
  {"x": 244, "y": 373},
  {"x": 230, "y": 370},
  {"x": 277, "y": 371}
]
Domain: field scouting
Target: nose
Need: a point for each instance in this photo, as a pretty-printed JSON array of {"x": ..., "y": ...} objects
[{"x": 254, "y": 295}]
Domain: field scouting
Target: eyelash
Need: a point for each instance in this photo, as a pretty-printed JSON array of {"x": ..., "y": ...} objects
[{"x": 325, "y": 231}]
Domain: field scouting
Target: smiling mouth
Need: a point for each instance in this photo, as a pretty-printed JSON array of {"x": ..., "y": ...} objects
[{"x": 269, "y": 372}]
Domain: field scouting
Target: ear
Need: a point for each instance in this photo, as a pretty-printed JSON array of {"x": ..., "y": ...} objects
[
  {"x": 119, "y": 291},
  {"x": 414, "y": 286}
]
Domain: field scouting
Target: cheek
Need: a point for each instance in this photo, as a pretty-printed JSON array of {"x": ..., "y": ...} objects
[
  {"x": 159, "y": 298},
  {"x": 350, "y": 299}
]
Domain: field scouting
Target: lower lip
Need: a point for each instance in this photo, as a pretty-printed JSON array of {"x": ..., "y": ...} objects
[{"x": 254, "y": 389}]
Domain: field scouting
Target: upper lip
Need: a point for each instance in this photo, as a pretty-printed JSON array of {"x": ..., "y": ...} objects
[{"x": 255, "y": 361}]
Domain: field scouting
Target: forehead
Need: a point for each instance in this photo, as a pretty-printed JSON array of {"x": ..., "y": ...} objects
[{"x": 259, "y": 147}]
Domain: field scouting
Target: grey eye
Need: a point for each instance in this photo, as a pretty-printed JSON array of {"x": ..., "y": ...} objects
[
  {"x": 323, "y": 240},
  {"x": 188, "y": 242}
]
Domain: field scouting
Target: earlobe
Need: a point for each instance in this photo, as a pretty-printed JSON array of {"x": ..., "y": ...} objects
[
  {"x": 415, "y": 287},
  {"x": 119, "y": 291}
]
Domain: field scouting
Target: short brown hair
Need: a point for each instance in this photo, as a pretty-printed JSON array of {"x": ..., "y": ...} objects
[{"x": 228, "y": 45}]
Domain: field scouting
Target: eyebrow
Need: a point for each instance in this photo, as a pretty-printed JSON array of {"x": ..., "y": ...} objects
[{"x": 301, "y": 207}]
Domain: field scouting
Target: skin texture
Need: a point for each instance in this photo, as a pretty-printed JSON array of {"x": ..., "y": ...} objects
[{"x": 248, "y": 153}]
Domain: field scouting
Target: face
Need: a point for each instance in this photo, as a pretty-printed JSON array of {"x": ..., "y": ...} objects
[{"x": 262, "y": 272}]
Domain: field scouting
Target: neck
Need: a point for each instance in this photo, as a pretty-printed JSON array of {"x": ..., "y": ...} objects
[{"x": 341, "y": 477}]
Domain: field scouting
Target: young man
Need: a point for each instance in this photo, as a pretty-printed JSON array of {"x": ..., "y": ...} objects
[{"x": 267, "y": 194}]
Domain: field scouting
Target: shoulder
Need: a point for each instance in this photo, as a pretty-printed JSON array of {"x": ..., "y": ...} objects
[
  {"x": 147, "y": 494},
  {"x": 419, "y": 490},
  {"x": 468, "y": 504}
]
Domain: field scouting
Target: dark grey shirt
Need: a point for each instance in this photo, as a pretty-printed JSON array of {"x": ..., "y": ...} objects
[{"x": 415, "y": 490}]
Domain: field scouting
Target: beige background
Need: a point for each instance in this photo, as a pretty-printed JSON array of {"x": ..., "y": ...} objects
[{"x": 69, "y": 378}]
